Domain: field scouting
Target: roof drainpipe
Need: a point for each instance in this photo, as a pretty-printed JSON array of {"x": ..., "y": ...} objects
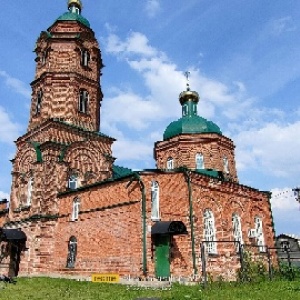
[
  {"x": 137, "y": 177},
  {"x": 187, "y": 174}
]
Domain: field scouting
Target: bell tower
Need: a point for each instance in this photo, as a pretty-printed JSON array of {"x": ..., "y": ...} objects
[
  {"x": 66, "y": 86},
  {"x": 62, "y": 148}
]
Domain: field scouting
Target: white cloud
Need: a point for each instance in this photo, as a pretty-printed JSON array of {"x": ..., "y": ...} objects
[
  {"x": 9, "y": 130},
  {"x": 136, "y": 43},
  {"x": 152, "y": 7},
  {"x": 4, "y": 195},
  {"x": 131, "y": 150},
  {"x": 272, "y": 149},
  {"x": 17, "y": 85},
  {"x": 161, "y": 74},
  {"x": 131, "y": 109},
  {"x": 283, "y": 199},
  {"x": 285, "y": 210},
  {"x": 285, "y": 24}
]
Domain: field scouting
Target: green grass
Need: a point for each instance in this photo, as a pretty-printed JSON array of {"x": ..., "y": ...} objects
[{"x": 62, "y": 289}]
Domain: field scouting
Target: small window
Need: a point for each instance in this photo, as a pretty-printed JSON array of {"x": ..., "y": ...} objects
[
  {"x": 170, "y": 163},
  {"x": 39, "y": 101},
  {"x": 225, "y": 165},
  {"x": 199, "y": 161},
  {"x": 259, "y": 234},
  {"x": 85, "y": 58},
  {"x": 29, "y": 191},
  {"x": 185, "y": 110},
  {"x": 285, "y": 246},
  {"x": 45, "y": 55},
  {"x": 210, "y": 232},
  {"x": 72, "y": 252},
  {"x": 73, "y": 180},
  {"x": 75, "y": 209},
  {"x": 83, "y": 101},
  {"x": 237, "y": 230},
  {"x": 155, "y": 201}
]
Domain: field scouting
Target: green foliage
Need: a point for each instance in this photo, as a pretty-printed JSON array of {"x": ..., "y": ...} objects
[
  {"x": 286, "y": 272},
  {"x": 62, "y": 289},
  {"x": 254, "y": 269}
]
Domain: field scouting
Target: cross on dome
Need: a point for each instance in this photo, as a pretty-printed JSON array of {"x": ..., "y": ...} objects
[
  {"x": 187, "y": 75},
  {"x": 75, "y": 6}
]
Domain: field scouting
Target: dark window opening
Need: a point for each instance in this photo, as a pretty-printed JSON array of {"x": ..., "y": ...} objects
[
  {"x": 85, "y": 58},
  {"x": 39, "y": 101},
  {"x": 83, "y": 101},
  {"x": 72, "y": 252}
]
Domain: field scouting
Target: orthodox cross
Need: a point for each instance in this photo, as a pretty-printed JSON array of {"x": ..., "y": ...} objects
[{"x": 187, "y": 75}]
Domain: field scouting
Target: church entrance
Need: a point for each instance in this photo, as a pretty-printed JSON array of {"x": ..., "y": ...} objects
[
  {"x": 162, "y": 232},
  {"x": 14, "y": 263},
  {"x": 16, "y": 240},
  {"x": 162, "y": 256}
]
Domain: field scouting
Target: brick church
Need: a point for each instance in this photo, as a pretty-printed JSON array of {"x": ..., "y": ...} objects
[{"x": 73, "y": 212}]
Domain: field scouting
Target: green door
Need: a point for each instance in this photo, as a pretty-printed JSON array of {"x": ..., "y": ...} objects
[{"x": 162, "y": 256}]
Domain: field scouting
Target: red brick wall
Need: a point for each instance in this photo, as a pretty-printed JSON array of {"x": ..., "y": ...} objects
[
  {"x": 109, "y": 228},
  {"x": 183, "y": 150}
]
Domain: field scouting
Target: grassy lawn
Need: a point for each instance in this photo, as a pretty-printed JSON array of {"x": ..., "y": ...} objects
[{"x": 62, "y": 289}]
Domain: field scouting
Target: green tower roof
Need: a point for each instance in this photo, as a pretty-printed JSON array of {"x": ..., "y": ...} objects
[
  {"x": 190, "y": 122},
  {"x": 190, "y": 125},
  {"x": 71, "y": 16},
  {"x": 74, "y": 13}
]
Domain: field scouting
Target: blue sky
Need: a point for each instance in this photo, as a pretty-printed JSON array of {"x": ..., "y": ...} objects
[{"x": 244, "y": 59}]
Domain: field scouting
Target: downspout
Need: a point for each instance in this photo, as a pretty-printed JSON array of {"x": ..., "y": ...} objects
[
  {"x": 188, "y": 179},
  {"x": 142, "y": 189}
]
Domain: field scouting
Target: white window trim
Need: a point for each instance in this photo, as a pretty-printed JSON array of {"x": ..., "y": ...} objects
[
  {"x": 170, "y": 163},
  {"x": 73, "y": 179},
  {"x": 259, "y": 234},
  {"x": 225, "y": 165},
  {"x": 75, "y": 209},
  {"x": 29, "y": 191},
  {"x": 237, "y": 230},
  {"x": 155, "y": 214},
  {"x": 199, "y": 158},
  {"x": 209, "y": 231}
]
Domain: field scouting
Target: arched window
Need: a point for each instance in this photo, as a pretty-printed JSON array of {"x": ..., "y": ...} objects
[
  {"x": 185, "y": 110},
  {"x": 170, "y": 163},
  {"x": 75, "y": 209},
  {"x": 155, "y": 201},
  {"x": 237, "y": 230},
  {"x": 45, "y": 55},
  {"x": 199, "y": 161},
  {"x": 72, "y": 252},
  {"x": 83, "y": 101},
  {"x": 85, "y": 58},
  {"x": 73, "y": 180},
  {"x": 259, "y": 234},
  {"x": 225, "y": 165},
  {"x": 39, "y": 101},
  {"x": 209, "y": 232},
  {"x": 29, "y": 191}
]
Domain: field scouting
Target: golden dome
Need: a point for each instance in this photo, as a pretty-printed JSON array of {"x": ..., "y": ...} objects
[{"x": 76, "y": 3}]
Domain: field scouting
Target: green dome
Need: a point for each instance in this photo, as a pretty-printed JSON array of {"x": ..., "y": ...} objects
[
  {"x": 190, "y": 125},
  {"x": 71, "y": 16}
]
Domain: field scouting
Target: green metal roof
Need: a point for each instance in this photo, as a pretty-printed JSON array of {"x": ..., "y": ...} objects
[
  {"x": 190, "y": 125},
  {"x": 209, "y": 172},
  {"x": 119, "y": 172},
  {"x": 70, "y": 16}
]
